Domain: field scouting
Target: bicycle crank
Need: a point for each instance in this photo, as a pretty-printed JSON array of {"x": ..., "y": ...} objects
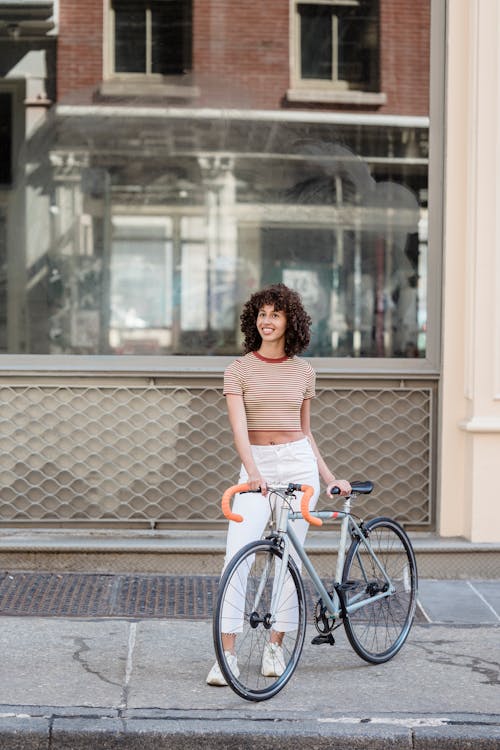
[{"x": 323, "y": 624}]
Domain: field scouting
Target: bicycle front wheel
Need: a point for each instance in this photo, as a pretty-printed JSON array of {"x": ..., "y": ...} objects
[
  {"x": 249, "y": 608},
  {"x": 377, "y": 628}
]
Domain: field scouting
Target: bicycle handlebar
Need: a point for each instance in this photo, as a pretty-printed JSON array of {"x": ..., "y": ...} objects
[
  {"x": 226, "y": 501},
  {"x": 363, "y": 487},
  {"x": 304, "y": 504}
]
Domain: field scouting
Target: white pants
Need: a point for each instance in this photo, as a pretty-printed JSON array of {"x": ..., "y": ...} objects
[{"x": 279, "y": 464}]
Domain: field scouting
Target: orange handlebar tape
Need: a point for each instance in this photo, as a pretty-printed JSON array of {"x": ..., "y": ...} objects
[
  {"x": 304, "y": 506},
  {"x": 226, "y": 501}
]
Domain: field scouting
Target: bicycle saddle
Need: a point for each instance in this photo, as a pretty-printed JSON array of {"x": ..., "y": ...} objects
[{"x": 362, "y": 488}]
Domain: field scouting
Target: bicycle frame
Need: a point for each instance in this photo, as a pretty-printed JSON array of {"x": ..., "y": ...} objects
[{"x": 287, "y": 537}]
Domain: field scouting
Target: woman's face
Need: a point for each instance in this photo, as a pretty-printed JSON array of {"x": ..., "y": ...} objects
[{"x": 271, "y": 323}]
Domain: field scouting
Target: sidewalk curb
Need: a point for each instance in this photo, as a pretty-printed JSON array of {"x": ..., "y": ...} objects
[{"x": 66, "y": 728}]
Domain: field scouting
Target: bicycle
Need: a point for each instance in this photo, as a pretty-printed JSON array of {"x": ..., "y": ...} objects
[{"x": 373, "y": 593}]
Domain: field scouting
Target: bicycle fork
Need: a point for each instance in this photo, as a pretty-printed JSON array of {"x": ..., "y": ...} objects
[
  {"x": 269, "y": 618},
  {"x": 283, "y": 564}
]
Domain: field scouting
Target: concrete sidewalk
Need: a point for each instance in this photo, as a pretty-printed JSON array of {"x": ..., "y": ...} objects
[{"x": 116, "y": 683}]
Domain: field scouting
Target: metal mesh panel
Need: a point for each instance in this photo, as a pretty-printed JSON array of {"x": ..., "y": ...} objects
[
  {"x": 150, "y": 455},
  {"x": 385, "y": 436}
]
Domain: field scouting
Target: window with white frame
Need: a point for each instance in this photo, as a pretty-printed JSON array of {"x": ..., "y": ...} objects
[
  {"x": 151, "y": 37},
  {"x": 337, "y": 44}
]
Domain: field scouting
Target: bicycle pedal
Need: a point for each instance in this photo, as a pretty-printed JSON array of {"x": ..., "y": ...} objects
[{"x": 318, "y": 640}]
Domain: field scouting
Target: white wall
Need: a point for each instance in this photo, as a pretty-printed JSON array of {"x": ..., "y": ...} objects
[{"x": 469, "y": 494}]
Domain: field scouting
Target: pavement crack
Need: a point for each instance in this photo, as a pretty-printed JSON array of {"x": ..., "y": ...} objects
[
  {"x": 489, "y": 670},
  {"x": 79, "y": 655}
]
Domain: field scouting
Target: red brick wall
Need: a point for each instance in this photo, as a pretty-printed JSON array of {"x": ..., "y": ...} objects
[
  {"x": 241, "y": 53},
  {"x": 405, "y": 49},
  {"x": 79, "y": 54}
]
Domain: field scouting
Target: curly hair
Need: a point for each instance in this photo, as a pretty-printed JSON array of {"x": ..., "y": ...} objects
[{"x": 298, "y": 322}]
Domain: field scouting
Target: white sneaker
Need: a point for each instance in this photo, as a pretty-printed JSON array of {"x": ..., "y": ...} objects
[
  {"x": 273, "y": 660},
  {"x": 215, "y": 676}
]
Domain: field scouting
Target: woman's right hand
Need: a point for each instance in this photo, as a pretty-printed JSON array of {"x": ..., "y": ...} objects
[{"x": 257, "y": 482}]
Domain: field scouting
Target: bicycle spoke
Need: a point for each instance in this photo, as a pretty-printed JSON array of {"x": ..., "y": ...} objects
[
  {"x": 378, "y": 629},
  {"x": 244, "y": 608}
]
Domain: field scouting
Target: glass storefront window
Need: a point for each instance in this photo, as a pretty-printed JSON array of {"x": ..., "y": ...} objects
[{"x": 151, "y": 217}]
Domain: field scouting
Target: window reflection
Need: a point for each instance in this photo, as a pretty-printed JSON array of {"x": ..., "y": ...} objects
[
  {"x": 179, "y": 267},
  {"x": 159, "y": 204},
  {"x": 151, "y": 36},
  {"x": 339, "y": 42},
  {"x": 141, "y": 285},
  {"x": 131, "y": 52}
]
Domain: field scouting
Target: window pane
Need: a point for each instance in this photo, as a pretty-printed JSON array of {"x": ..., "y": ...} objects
[
  {"x": 360, "y": 285},
  {"x": 316, "y": 41},
  {"x": 195, "y": 288},
  {"x": 358, "y": 53},
  {"x": 340, "y": 43},
  {"x": 130, "y": 36},
  {"x": 349, "y": 231},
  {"x": 141, "y": 286},
  {"x": 171, "y": 37}
]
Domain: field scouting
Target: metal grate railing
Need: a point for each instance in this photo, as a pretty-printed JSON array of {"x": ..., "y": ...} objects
[{"x": 163, "y": 455}]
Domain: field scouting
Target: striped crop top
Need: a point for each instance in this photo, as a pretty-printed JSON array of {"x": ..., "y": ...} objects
[{"x": 273, "y": 390}]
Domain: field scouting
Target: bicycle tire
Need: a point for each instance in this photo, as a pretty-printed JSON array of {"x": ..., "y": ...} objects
[
  {"x": 378, "y": 630},
  {"x": 256, "y": 564}
]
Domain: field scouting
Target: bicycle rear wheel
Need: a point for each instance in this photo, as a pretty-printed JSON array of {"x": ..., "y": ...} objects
[
  {"x": 378, "y": 629},
  {"x": 244, "y": 609}
]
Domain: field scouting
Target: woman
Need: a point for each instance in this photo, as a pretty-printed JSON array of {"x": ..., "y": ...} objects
[{"x": 268, "y": 393}]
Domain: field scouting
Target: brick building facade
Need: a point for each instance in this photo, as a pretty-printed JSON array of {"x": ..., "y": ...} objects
[{"x": 239, "y": 59}]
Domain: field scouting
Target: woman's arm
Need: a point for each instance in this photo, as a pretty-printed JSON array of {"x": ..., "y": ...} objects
[
  {"x": 325, "y": 473},
  {"x": 238, "y": 422}
]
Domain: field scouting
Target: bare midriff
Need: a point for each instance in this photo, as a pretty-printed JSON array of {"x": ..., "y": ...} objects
[{"x": 274, "y": 437}]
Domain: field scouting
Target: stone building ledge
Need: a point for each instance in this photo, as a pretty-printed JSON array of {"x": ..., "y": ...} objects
[
  {"x": 202, "y": 551},
  {"x": 139, "y": 540}
]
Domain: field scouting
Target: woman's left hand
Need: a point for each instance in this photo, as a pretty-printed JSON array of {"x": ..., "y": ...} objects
[{"x": 342, "y": 484}]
